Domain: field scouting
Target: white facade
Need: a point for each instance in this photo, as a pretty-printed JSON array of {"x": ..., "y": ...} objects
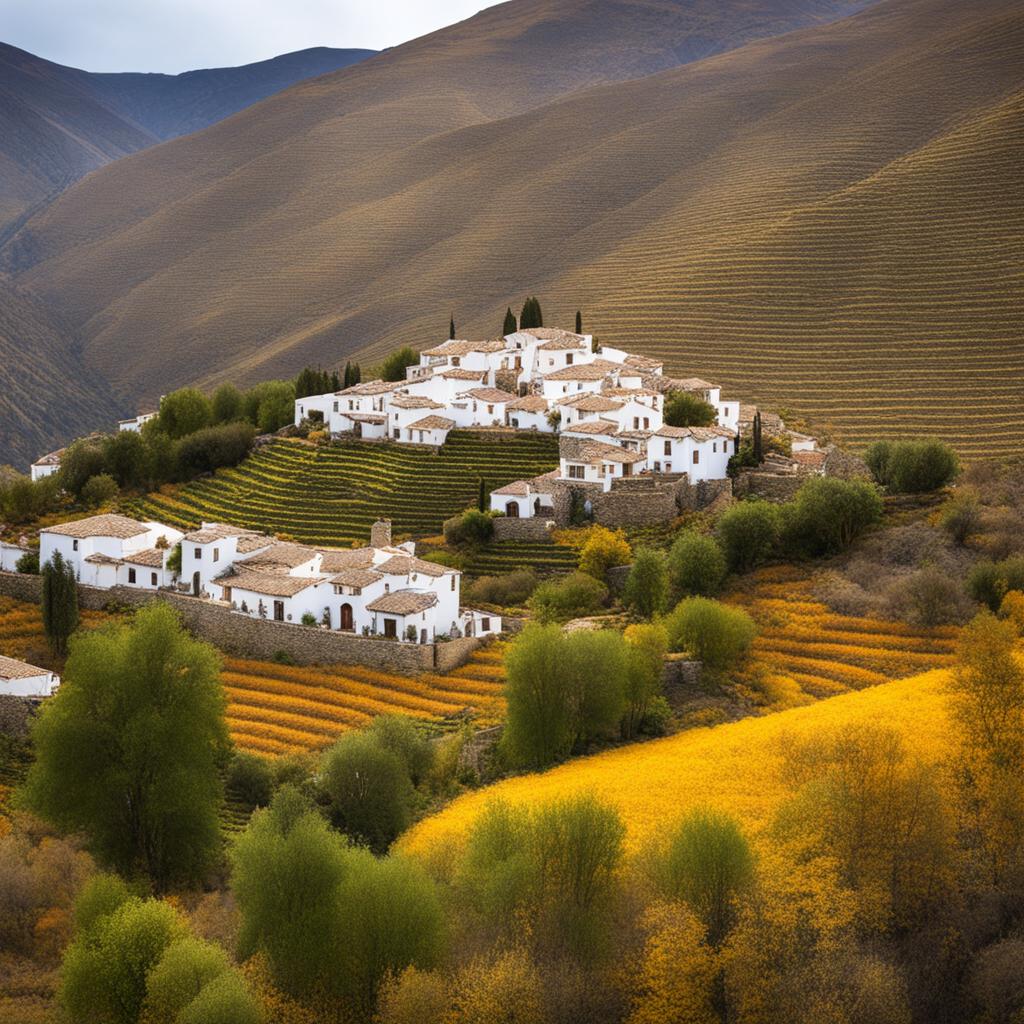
[
  {"x": 525, "y": 499},
  {"x": 9, "y": 555},
  {"x": 702, "y": 453},
  {"x": 136, "y": 422},
  {"x": 19, "y": 679},
  {"x": 112, "y": 550},
  {"x": 46, "y": 466}
]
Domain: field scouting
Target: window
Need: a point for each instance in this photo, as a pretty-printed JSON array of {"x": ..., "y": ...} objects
[
  {"x": 455, "y": 360},
  {"x": 696, "y": 458},
  {"x": 335, "y": 406},
  {"x": 575, "y": 472},
  {"x": 216, "y": 554},
  {"x": 657, "y": 467},
  {"x": 485, "y": 624},
  {"x": 668, "y": 448},
  {"x": 387, "y": 588},
  {"x": 74, "y": 545},
  {"x": 152, "y": 579},
  {"x": 668, "y": 467},
  {"x": 568, "y": 359},
  {"x": 647, "y": 423},
  {"x": 636, "y": 422},
  {"x": 490, "y": 409},
  {"x": 279, "y": 611},
  {"x": 131, "y": 575},
  {"x": 199, "y": 554},
  {"x": 453, "y": 581}
]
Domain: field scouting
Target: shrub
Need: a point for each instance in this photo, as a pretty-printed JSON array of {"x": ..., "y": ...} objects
[
  {"x": 989, "y": 582},
  {"x": 187, "y": 965},
  {"x": 368, "y": 788},
  {"x": 929, "y": 597},
  {"x": 571, "y": 596},
  {"x": 961, "y": 515},
  {"x": 911, "y": 467},
  {"x": 469, "y": 529},
  {"x": 603, "y": 549},
  {"x": 714, "y": 633},
  {"x": 748, "y": 531},
  {"x": 646, "y": 590},
  {"x": 250, "y": 777},
  {"x": 184, "y": 412},
  {"x": 399, "y": 734},
  {"x": 685, "y": 409},
  {"x": 99, "y": 490},
  {"x": 645, "y": 661},
  {"x": 214, "y": 447},
  {"x": 226, "y": 404},
  {"x": 393, "y": 367},
  {"x": 696, "y": 565},
  {"x": 28, "y": 563},
  {"x": 510, "y": 590},
  {"x": 308, "y": 619},
  {"x": 270, "y": 405},
  {"x": 23, "y": 499},
  {"x": 1012, "y": 608},
  {"x": 828, "y": 514}
]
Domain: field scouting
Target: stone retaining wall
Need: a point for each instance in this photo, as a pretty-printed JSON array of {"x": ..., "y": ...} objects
[
  {"x": 770, "y": 486},
  {"x": 679, "y": 673},
  {"x": 263, "y": 638},
  {"x": 513, "y": 528}
]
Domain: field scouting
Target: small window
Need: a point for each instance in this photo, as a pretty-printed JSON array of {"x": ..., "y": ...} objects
[
  {"x": 74, "y": 545},
  {"x": 131, "y": 575},
  {"x": 668, "y": 467},
  {"x": 696, "y": 458},
  {"x": 453, "y": 581},
  {"x": 216, "y": 554},
  {"x": 199, "y": 554},
  {"x": 335, "y": 406},
  {"x": 575, "y": 472},
  {"x": 636, "y": 422},
  {"x": 485, "y": 624},
  {"x": 490, "y": 409},
  {"x": 387, "y": 588},
  {"x": 455, "y": 360},
  {"x": 668, "y": 447},
  {"x": 152, "y": 579},
  {"x": 647, "y": 423},
  {"x": 568, "y": 359}
]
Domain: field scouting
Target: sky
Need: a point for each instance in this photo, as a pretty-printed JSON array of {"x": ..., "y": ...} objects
[{"x": 180, "y": 35}]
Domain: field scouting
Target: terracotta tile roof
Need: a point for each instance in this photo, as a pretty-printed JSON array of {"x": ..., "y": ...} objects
[
  {"x": 210, "y": 532},
  {"x": 635, "y": 435},
  {"x": 152, "y": 557},
  {"x": 269, "y": 584},
  {"x": 110, "y": 525},
  {"x": 490, "y": 395},
  {"x": 339, "y": 559},
  {"x": 460, "y": 374},
  {"x": 598, "y": 369},
  {"x": 464, "y": 348},
  {"x": 364, "y": 417},
  {"x": 597, "y": 426},
  {"x": 11, "y": 668},
  {"x": 630, "y": 393},
  {"x": 404, "y": 565},
  {"x": 282, "y": 555},
  {"x": 691, "y": 384},
  {"x": 249, "y": 542},
  {"x": 372, "y": 387},
  {"x": 644, "y": 362},
  {"x": 812, "y": 459},
  {"x": 414, "y": 402},
  {"x": 697, "y": 433},
  {"x": 100, "y": 559},
  {"x": 598, "y": 451},
  {"x": 52, "y": 459},
  {"x": 518, "y": 489},
  {"x": 529, "y": 403},
  {"x": 403, "y": 602},
  {"x": 432, "y": 423},
  {"x": 590, "y": 402},
  {"x": 554, "y": 338},
  {"x": 356, "y": 578}
]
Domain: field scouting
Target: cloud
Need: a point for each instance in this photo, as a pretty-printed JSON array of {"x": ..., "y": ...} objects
[{"x": 179, "y": 35}]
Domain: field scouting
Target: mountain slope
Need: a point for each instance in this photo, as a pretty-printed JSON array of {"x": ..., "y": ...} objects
[
  {"x": 828, "y": 219},
  {"x": 58, "y": 123}
]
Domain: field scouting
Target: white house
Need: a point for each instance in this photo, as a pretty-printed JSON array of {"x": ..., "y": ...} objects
[
  {"x": 19, "y": 679},
  {"x": 530, "y": 412},
  {"x": 591, "y": 461},
  {"x": 113, "y": 550},
  {"x": 802, "y": 442},
  {"x": 526, "y": 499},
  {"x": 702, "y": 453},
  {"x": 136, "y": 422},
  {"x": 9, "y": 555},
  {"x": 480, "y": 407},
  {"x": 47, "y": 465}
]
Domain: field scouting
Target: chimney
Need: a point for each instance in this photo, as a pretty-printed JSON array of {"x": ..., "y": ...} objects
[{"x": 380, "y": 534}]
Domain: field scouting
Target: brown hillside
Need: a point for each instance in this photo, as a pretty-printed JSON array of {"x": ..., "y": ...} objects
[{"x": 829, "y": 219}]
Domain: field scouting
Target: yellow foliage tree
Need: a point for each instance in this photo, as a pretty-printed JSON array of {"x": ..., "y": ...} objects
[
  {"x": 677, "y": 972},
  {"x": 505, "y": 989},
  {"x": 603, "y": 549},
  {"x": 413, "y": 997},
  {"x": 1012, "y": 608}
]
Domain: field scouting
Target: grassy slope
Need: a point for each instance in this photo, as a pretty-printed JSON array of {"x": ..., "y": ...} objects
[
  {"x": 732, "y": 767},
  {"x": 829, "y": 220}
]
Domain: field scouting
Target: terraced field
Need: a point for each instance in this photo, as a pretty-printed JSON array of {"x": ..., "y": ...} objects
[
  {"x": 21, "y": 630},
  {"x": 545, "y": 558},
  {"x": 331, "y": 496},
  {"x": 804, "y": 650},
  {"x": 279, "y": 709}
]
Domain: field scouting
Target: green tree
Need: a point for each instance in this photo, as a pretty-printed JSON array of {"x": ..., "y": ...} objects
[
  {"x": 213, "y": 447},
  {"x": 100, "y": 896},
  {"x": 566, "y": 598},
  {"x": 989, "y": 582},
  {"x": 758, "y": 445},
  {"x": 81, "y": 460},
  {"x": 287, "y": 867},
  {"x": 748, "y": 532},
  {"x": 28, "y": 563},
  {"x": 451, "y": 328},
  {"x": 129, "y": 750},
  {"x": 400, "y": 735},
  {"x": 124, "y": 457},
  {"x": 60, "y": 602},
  {"x": 183, "y": 412},
  {"x": 226, "y": 404},
  {"x": 509, "y": 326},
  {"x": 696, "y": 565},
  {"x": 99, "y": 490},
  {"x": 714, "y": 633},
  {"x": 579, "y": 322},
  {"x": 23, "y": 499},
  {"x": 707, "y": 863},
  {"x": 911, "y": 467},
  {"x": 468, "y": 529},
  {"x": 646, "y": 590},
  {"x": 224, "y": 1000},
  {"x": 961, "y": 515},
  {"x": 393, "y": 368},
  {"x": 103, "y": 977},
  {"x": 368, "y": 787},
  {"x": 250, "y": 778},
  {"x": 593, "y": 667},
  {"x": 685, "y": 409},
  {"x": 828, "y": 514},
  {"x": 184, "y": 968},
  {"x": 269, "y": 406},
  {"x": 646, "y": 646},
  {"x": 531, "y": 315}
]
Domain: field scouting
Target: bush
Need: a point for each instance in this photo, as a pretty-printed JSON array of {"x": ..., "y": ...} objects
[
  {"x": 929, "y": 597},
  {"x": 1012, "y": 608},
  {"x": 714, "y": 633},
  {"x": 270, "y": 405},
  {"x": 250, "y": 777},
  {"x": 567, "y": 598},
  {"x": 961, "y": 515},
  {"x": 214, "y": 447},
  {"x": 81, "y": 460},
  {"x": 99, "y": 490},
  {"x": 184, "y": 412},
  {"x": 911, "y": 467},
  {"x": 603, "y": 549},
  {"x": 393, "y": 368},
  {"x": 399, "y": 734},
  {"x": 369, "y": 789},
  {"x": 23, "y": 499},
  {"x": 828, "y": 514},
  {"x": 696, "y": 565},
  {"x": 28, "y": 563},
  {"x": 989, "y": 582},
  {"x": 684, "y": 409},
  {"x": 308, "y": 619},
  {"x": 645, "y": 663},
  {"x": 510, "y": 590},
  {"x": 748, "y": 531},
  {"x": 469, "y": 529},
  {"x": 226, "y": 404},
  {"x": 646, "y": 590}
]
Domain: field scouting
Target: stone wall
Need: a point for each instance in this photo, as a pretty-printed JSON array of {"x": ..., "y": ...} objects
[
  {"x": 679, "y": 673},
  {"x": 752, "y": 483},
  {"x": 702, "y": 494},
  {"x": 263, "y": 638},
  {"x": 514, "y": 528},
  {"x": 616, "y": 578},
  {"x": 635, "y": 506}
]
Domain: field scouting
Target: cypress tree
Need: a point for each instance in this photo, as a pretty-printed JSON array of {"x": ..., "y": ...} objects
[
  {"x": 357, "y": 374},
  {"x": 579, "y": 322},
  {"x": 482, "y": 498},
  {"x": 758, "y": 445},
  {"x": 451, "y": 327},
  {"x": 60, "y": 602},
  {"x": 335, "y": 381},
  {"x": 346, "y": 375},
  {"x": 531, "y": 314},
  {"x": 538, "y": 316},
  {"x": 509, "y": 326}
]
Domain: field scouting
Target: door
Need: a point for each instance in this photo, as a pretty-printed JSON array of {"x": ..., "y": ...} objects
[
  {"x": 346, "y": 617},
  {"x": 279, "y": 611},
  {"x": 512, "y": 509},
  {"x": 390, "y": 628},
  {"x": 195, "y": 583}
]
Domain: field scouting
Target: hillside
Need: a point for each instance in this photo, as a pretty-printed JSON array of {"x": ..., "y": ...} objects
[
  {"x": 828, "y": 220},
  {"x": 731, "y": 767},
  {"x": 47, "y": 394},
  {"x": 59, "y": 123}
]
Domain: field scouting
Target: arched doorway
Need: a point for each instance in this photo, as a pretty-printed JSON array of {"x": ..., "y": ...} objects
[
  {"x": 512, "y": 509},
  {"x": 346, "y": 617},
  {"x": 195, "y": 583}
]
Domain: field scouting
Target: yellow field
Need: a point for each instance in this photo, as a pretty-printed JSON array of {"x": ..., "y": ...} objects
[
  {"x": 805, "y": 650},
  {"x": 21, "y": 630},
  {"x": 280, "y": 709},
  {"x": 732, "y": 767}
]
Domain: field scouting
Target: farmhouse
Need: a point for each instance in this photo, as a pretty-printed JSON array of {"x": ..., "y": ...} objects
[
  {"x": 112, "y": 550},
  {"x": 47, "y": 465},
  {"x": 19, "y": 679},
  {"x": 526, "y": 499}
]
